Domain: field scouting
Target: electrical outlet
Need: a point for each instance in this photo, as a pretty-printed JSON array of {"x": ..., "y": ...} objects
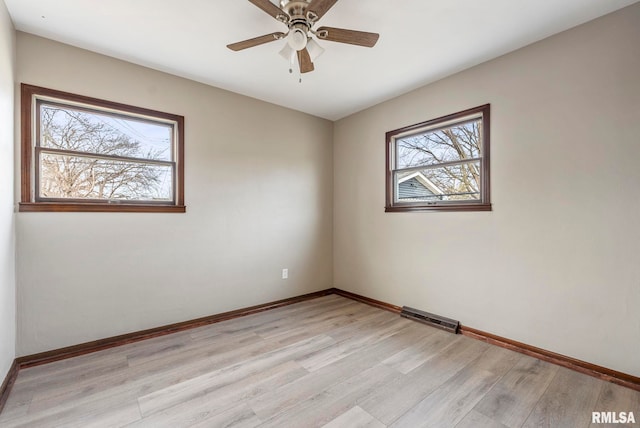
[{"x": 285, "y": 273}]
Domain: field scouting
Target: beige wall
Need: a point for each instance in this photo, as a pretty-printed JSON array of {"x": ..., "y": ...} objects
[
  {"x": 258, "y": 194},
  {"x": 556, "y": 264},
  {"x": 7, "y": 228}
]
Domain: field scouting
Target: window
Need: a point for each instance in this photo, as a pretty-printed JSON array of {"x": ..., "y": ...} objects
[
  {"x": 440, "y": 165},
  {"x": 85, "y": 154}
]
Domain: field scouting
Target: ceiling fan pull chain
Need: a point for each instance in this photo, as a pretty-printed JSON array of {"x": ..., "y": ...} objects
[{"x": 292, "y": 61}]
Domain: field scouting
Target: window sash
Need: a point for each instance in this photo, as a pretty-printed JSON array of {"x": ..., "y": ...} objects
[
  {"x": 432, "y": 130},
  {"x": 74, "y": 154},
  {"x": 63, "y": 104},
  {"x": 437, "y": 198}
]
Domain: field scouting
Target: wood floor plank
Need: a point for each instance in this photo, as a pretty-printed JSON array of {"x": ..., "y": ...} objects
[
  {"x": 355, "y": 418},
  {"x": 253, "y": 321},
  {"x": 159, "y": 347},
  {"x": 317, "y": 325},
  {"x": 418, "y": 353},
  {"x": 305, "y": 388},
  {"x": 497, "y": 360},
  {"x": 69, "y": 379},
  {"x": 207, "y": 407},
  {"x": 475, "y": 419},
  {"x": 448, "y": 405},
  {"x": 142, "y": 379},
  {"x": 324, "y": 315},
  {"x": 372, "y": 319},
  {"x": 240, "y": 416},
  {"x": 97, "y": 362},
  {"x": 17, "y": 405},
  {"x": 567, "y": 402},
  {"x": 392, "y": 400},
  {"x": 223, "y": 341},
  {"x": 328, "y": 404},
  {"x": 118, "y": 409},
  {"x": 513, "y": 398},
  {"x": 347, "y": 347},
  {"x": 106, "y": 418},
  {"x": 189, "y": 388}
]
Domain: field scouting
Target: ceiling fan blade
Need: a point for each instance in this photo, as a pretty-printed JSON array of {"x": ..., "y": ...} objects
[
  {"x": 305, "y": 61},
  {"x": 317, "y": 8},
  {"x": 255, "y": 41},
  {"x": 271, "y": 9},
  {"x": 351, "y": 37}
]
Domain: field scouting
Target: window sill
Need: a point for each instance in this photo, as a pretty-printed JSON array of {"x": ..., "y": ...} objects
[
  {"x": 80, "y": 207},
  {"x": 422, "y": 208}
]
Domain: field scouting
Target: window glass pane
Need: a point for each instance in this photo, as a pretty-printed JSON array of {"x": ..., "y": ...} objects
[
  {"x": 449, "y": 183},
  {"x": 73, "y": 177},
  {"x": 67, "y": 128},
  {"x": 457, "y": 142}
]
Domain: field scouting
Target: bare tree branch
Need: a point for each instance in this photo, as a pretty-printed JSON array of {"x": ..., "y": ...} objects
[{"x": 71, "y": 176}]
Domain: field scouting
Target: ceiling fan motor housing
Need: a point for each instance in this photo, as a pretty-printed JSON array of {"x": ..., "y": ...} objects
[{"x": 297, "y": 10}]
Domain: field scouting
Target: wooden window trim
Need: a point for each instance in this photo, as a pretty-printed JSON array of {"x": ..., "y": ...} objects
[
  {"x": 484, "y": 204},
  {"x": 28, "y": 201}
]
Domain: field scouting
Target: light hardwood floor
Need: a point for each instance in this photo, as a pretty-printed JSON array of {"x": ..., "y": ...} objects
[{"x": 329, "y": 362}]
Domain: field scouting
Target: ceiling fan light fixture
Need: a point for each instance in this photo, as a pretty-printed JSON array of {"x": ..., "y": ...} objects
[
  {"x": 297, "y": 39},
  {"x": 286, "y": 52},
  {"x": 315, "y": 50}
]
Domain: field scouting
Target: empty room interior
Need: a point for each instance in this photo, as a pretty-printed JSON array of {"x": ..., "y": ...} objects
[{"x": 309, "y": 213}]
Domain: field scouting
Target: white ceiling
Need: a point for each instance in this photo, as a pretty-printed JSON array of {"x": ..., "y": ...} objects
[{"x": 420, "y": 41}]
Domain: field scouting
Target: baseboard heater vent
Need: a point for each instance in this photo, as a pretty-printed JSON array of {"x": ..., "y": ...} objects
[{"x": 431, "y": 319}]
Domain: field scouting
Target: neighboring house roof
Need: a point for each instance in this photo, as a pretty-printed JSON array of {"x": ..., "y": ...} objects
[{"x": 417, "y": 186}]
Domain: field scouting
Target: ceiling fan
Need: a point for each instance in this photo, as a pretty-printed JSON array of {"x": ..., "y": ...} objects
[{"x": 300, "y": 16}]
